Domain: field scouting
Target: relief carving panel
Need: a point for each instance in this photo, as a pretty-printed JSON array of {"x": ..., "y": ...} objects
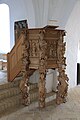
[
  {"x": 51, "y": 50},
  {"x": 34, "y": 48}
]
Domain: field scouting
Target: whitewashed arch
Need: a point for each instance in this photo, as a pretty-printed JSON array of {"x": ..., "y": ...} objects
[{"x": 4, "y": 28}]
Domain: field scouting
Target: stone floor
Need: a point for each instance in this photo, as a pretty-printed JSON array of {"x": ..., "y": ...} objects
[{"x": 67, "y": 111}]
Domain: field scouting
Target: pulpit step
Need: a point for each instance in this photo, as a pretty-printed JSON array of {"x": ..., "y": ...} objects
[
  {"x": 9, "y": 92},
  {"x": 11, "y": 98},
  {"x": 16, "y": 101}
]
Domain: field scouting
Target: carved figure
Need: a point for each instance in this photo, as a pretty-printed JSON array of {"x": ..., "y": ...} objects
[{"x": 33, "y": 49}]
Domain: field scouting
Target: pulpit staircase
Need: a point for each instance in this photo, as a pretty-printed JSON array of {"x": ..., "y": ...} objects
[{"x": 11, "y": 98}]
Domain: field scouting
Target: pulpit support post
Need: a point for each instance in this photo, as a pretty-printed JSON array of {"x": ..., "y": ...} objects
[
  {"x": 62, "y": 77},
  {"x": 42, "y": 69}
]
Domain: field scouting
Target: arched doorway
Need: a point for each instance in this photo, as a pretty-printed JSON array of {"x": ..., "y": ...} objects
[
  {"x": 78, "y": 64},
  {"x": 4, "y": 39},
  {"x": 4, "y": 28}
]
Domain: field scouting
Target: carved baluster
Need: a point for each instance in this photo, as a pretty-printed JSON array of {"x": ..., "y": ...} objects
[
  {"x": 24, "y": 85},
  {"x": 42, "y": 70},
  {"x": 62, "y": 78}
]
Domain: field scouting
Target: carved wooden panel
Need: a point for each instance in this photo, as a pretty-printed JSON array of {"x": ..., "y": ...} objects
[
  {"x": 34, "y": 48},
  {"x": 15, "y": 59},
  {"x": 51, "y": 50}
]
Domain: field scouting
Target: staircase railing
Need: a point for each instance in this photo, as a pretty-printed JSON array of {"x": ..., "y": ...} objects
[{"x": 14, "y": 59}]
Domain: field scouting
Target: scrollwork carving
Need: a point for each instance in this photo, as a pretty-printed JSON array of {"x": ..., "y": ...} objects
[
  {"x": 62, "y": 78},
  {"x": 42, "y": 69},
  {"x": 24, "y": 85}
]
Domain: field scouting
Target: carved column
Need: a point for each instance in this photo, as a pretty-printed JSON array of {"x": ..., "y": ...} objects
[
  {"x": 42, "y": 70},
  {"x": 24, "y": 85},
  {"x": 62, "y": 77}
]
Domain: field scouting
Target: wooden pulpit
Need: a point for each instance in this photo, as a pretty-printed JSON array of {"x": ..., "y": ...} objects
[{"x": 44, "y": 48}]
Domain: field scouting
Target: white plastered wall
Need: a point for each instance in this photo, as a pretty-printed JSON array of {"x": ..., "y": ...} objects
[{"x": 73, "y": 36}]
